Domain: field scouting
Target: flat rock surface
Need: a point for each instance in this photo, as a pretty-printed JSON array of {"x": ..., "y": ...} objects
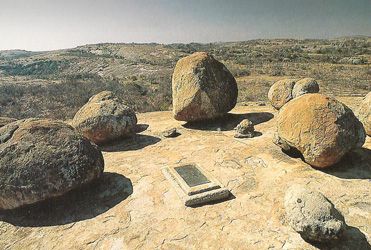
[{"x": 134, "y": 206}]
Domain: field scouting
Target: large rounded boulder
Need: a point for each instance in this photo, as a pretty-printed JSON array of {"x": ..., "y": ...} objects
[
  {"x": 364, "y": 113},
  {"x": 203, "y": 88},
  {"x": 321, "y": 128},
  {"x": 105, "y": 118},
  {"x": 40, "y": 159},
  {"x": 282, "y": 91},
  {"x": 312, "y": 215}
]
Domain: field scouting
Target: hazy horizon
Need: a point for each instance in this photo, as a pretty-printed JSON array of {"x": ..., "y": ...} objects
[{"x": 42, "y": 25}]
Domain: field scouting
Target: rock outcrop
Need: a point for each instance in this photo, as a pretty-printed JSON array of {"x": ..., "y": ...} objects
[
  {"x": 40, "y": 159},
  {"x": 321, "y": 128},
  {"x": 203, "y": 88},
  {"x": 312, "y": 215},
  {"x": 285, "y": 90},
  {"x": 6, "y": 120},
  {"x": 105, "y": 118},
  {"x": 133, "y": 205},
  {"x": 364, "y": 113}
]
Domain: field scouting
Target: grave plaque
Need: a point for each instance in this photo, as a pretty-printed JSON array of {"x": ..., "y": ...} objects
[
  {"x": 191, "y": 175},
  {"x": 194, "y": 186}
]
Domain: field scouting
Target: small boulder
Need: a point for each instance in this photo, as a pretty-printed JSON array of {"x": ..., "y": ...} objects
[
  {"x": 305, "y": 86},
  {"x": 105, "y": 118},
  {"x": 41, "y": 159},
  {"x": 203, "y": 88},
  {"x": 321, "y": 128},
  {"x": 312, "y": 215},
  {"x": 364, "y": 113},
  {"x": 170, "y": 133},
  {"x": 5, "y": 120},
  {"x": 245, "y": 129},
  {"x": 281, "y": 92}
]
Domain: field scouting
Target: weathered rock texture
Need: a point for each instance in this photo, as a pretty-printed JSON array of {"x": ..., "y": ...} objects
[
  {"x": 285, "y": 90},
  {"x": 40, "y": 159},
  {"x": 153, "y": 216},
  {"x": 312, "y": 215},
  {"x": 245, "y": 129},
  {"x": 305, "y": 86},
  {"x": 281, "y": 92},
  {"x": 321, "y": 128},
  {"x": 6, "y": 120},
  {"x": 203, "y": 88},
  {"x": 105, "y": 118},
  {"x": 364, "y": 113}
]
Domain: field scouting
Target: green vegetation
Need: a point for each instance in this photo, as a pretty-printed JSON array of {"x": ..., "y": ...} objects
[{"x": 40, "y": 68}]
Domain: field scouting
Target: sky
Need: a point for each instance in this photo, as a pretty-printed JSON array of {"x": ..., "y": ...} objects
[{"x": 55, "y": 24}]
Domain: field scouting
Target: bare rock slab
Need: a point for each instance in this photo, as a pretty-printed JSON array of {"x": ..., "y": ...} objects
[
  {"x": 312, "y": 215},
  {"x": 40, "y": 159}
]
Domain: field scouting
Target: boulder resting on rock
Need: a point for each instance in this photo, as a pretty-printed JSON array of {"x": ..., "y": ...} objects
[
  {"x": 203, "y": 88},
  {"x": 305, "y": 86},
  {"x": 105, "y": 118},
  {"x": 321, "y": 128},
  {"x": 41, "y": 159},
  {"x": 170, "y": 133},
  {"x": 245, "y": 129},
  {"x": 312, "y": 215},
  {"x": 282, "y": 91}
]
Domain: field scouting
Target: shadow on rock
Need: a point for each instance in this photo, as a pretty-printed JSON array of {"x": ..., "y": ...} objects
[
  {"x": 352, "y": 238},
  {"x": 141, "y": 127},
  {"x": 354, "y": 165},
  {"x": 293, "y": 153},
  {"x": 229, "y": 121},
  {"x": 230, "y": 197},
  {"x": 254, "y": 134},
  {"x": 84, "y": 203},
  {"x": 133, "y": 143}
]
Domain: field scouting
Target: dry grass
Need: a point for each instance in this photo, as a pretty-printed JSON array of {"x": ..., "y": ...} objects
[{"x": 55, "y": 84}]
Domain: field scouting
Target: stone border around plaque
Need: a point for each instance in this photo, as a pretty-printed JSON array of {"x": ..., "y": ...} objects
[{"x": 194, "y": 186}]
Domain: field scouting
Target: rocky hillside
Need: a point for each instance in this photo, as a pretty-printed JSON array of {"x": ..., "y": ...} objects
[{"x": 55, "y": 84}]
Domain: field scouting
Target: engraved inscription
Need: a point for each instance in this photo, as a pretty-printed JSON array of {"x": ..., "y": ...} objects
[{"x": 191, "y": 175}]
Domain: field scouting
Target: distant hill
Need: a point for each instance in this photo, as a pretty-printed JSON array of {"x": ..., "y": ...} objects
[
  {"x": 56, "y": 83},
  {"x": 14, "y": 54}
]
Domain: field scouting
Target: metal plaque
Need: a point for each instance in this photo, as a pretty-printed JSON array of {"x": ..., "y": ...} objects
[{"x": 192, "y": 175}]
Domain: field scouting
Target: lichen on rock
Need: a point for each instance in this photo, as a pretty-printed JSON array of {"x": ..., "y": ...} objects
[{"x": 40, "y": 159}]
